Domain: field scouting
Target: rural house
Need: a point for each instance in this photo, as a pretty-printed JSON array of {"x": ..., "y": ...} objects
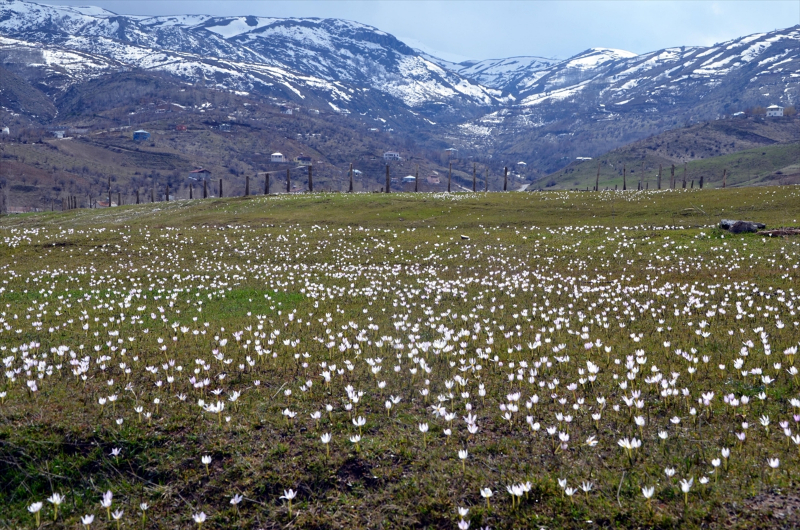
[
  {"x": 774, "y": 110},
  {"x": 140, "y": 136},
  {"x": 277, "y": 158},
  {"x": 303, "y": 160},
  {"x": 391, "y": 155},
  {"x": 200, "y": 174}
]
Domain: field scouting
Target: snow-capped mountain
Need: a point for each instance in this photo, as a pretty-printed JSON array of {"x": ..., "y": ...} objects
[
  {"x": 249, "y": 53},
  {"x": 503, "y": 74},
  {"x": 539, "y": 110}
]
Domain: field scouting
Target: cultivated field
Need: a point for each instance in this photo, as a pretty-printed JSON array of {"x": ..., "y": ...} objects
[{"x": 504, "y": 360}]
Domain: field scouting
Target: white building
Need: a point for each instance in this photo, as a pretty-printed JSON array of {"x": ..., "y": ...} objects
[
  {"x": 774, "y": 110},
  {"x": 391, "y": 155},
  {"x": 277, "y": 157},
  {"x": 409, "y": 179}
]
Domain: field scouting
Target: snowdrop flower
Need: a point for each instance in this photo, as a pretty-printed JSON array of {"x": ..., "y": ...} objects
[
  {"x": 359, "y": 422},
  {"x": 463, "y": 454},
  {"x": 326, "y": 439},
  {"x": 106, "y": 502},
  {"x": 486, "y": 493},
  {"x": 199, "y": 518},
  {"x": 686, "y": 485},
  {"x": 355, "y": 439},
  {"x": 86, "y": 520},
  {"x": 423, "y": 428},
  {"x": 34, "y": 509},
  {"x": 289, "y": 495},
  {"x": 236, "y": 499},
  {"x": 117, "y": 515},
  {"x": 55, "y": 499},
  {"x": 206, "y": 460}
]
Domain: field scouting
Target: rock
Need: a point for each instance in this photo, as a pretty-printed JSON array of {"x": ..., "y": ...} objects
[{"x": 739, "y": 227}]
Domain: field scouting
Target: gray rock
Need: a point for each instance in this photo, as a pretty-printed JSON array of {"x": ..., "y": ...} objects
[{"x": 739, "y": 227}]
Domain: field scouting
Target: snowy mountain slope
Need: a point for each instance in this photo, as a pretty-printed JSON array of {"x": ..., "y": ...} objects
[
  {"x": 326, "y": 49},
  {"x": 540, "y": 110},
  {"x": 503, "y": 74},
  {"x": 601, "y": 99}
]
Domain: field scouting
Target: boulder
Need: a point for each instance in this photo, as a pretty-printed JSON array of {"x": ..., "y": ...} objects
[{"x": 740, "y": 227}]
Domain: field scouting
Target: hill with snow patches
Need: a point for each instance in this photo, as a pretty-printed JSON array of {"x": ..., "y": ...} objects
[{"x": 543, "y": 111}]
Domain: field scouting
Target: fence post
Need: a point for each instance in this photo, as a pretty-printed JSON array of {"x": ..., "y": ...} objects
[
  {"x": 684, "y": 175},
  {"x": 474, "y": 177},
  {"x": 624, "y": 177},
  {"x": 137, "y": 195},
  {"x": 416, "y": 179},
  {"x": 109, "y": 192},
  {"x": 672, "y": 177},
  {"x": 641, "y": 178},
  {"x": 505, "y": 179},
  {"x": 350, "y": 189},
  {"x": 724, "y": 177},
  {"x": 310, "y": 180},
  {"x": 190, "y": 191},
  {"x": 247, "y": 185},
  {"x": 266, "y": 184},
  {"x": 288, "y": 181},
  {"x": 388, "y": 180},
  {"x": 597, "y": 179},
  {"x": 660, "y": 167},
  {"x": 152, "y": 195},
  {"x": 119, "y": 200},
  {"x": 205, "y": 189},
  {"x": 701, "y": 181},
  {"x": 220, "y": 189},
  {"x": 486, "y": 181},
  {"x": 449, "y": 176}
]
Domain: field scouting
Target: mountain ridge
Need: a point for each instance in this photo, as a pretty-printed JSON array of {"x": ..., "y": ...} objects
[{"x": 542, "y": 111}]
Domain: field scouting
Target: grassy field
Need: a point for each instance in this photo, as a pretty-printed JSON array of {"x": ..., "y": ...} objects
[
  {"x": 505, "y": 360},
  {"x": 764, "y": 165}
]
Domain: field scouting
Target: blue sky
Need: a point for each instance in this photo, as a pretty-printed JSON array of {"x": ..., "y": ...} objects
[{"x": 458, "y": 30}]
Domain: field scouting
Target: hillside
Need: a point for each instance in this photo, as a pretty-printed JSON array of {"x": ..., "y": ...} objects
[
  {"x": 231, "y": 135},
  {"x": 753, "y": 150},
  {"x": 544, "y": 112}
]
